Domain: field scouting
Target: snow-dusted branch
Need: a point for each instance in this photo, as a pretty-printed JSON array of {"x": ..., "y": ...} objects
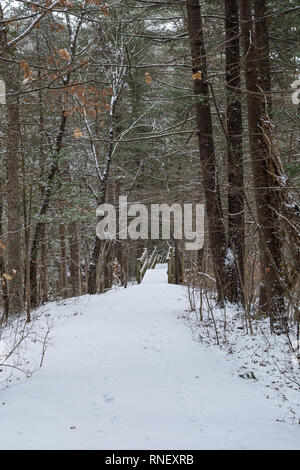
[
  {"x": 22, "y": 35},
  {"x": 130, "y": 128}
]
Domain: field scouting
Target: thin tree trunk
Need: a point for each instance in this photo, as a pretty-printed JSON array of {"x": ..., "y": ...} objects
[
  {"x": 26, "y": 217},
  {"x": 43, "y": 287},
  {"x": 107, "y": 265},
  {"x": 74, "y": 259},
  {"x": 126, "y": 265},
  {"x": 92, "y": 270},
  {"x": 119, "y": 245},
  {"x": 4, "y": 285},
  {"x": 63, "y": 263},
  {"x": 53, "y": 170},
  {"x": 43, "y": 210},
  {"x": 43, "y": 266}
]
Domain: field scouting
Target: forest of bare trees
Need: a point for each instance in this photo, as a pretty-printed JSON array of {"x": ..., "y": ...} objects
[{"x": 162, "y": 102}]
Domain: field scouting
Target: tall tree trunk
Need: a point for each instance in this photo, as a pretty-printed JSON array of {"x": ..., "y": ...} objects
[
  {"x": 52, "y": 173},
  {"x": 43, "y": 287},
  {"x": 119, "y": 245},
  {"x": 43, "y": 210},
  {"x": 216, "y": 227},
  {"x": 236, "y": 232},
  {"x": 26, "y": 217},
  {"x": 4, "y": 285},
  {"x": 13, "y": 194},
  {"x": 107, "y": 265},
  {"x": 74, "y": 259},
  {"x": 263, "y": 52},
  {"x": 264, "y": 82},
  {"x": 43, "y": 266},
  {"x": 92, "y": 270},
  {"x": 63, "y": 261},
  {"x": 267, "y": 215}
]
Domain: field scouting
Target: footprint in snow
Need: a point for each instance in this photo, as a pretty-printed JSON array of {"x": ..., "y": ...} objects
[{"x": 108, "y": 398}]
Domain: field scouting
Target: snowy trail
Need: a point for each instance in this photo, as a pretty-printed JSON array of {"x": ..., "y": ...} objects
[{"x": 126, "y": 375}]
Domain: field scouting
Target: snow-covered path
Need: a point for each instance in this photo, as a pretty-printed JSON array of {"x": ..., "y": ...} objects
[{"x": 124, "y": 373}]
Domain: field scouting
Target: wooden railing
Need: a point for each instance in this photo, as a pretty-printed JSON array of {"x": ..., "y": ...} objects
[
  {"x": 142, "y": 266},
  {"x": 149, "y": 261},
  {"x": 146, "y": 262},
  {"x": 161, "y": 258},
  {"x": 153, "y": 259}
]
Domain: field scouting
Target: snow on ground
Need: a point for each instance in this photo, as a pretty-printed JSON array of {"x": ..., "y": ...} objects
[
  {"x": 261, "y": 357},
  {"x": 121, "y": 371}
]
